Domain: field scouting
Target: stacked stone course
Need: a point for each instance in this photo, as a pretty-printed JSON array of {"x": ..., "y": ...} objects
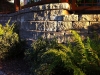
[{"x": 49, "y": 21}]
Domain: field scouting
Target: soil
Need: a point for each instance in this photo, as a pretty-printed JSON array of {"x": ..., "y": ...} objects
[{"x": 15, "y": 67}]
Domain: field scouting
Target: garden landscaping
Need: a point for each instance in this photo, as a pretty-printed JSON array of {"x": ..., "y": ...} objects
[{"x": 48, "y": 57}]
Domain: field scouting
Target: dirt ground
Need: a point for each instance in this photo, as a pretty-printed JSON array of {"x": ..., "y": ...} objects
[{"x": 15, "y": 67}]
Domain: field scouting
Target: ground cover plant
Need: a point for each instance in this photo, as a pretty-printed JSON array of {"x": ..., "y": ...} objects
[{"x": 47, "y": 57}]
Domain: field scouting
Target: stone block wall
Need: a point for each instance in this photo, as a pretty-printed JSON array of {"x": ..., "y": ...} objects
[
  {"x": 45, "y": 21},
  {"x": 49, "y": 21}
]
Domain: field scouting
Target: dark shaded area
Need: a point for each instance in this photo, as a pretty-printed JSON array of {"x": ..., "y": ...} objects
[
  {"x": 84, "y": 11},
  {"x": 62, "y": 71},
  {"x": 6, "y": 7},
  {"x": 94, "y": 27},
  {"x": 87, "y": 12},
  {"x": 94, "y": 30},
  {"x": 15, "y": 67}
]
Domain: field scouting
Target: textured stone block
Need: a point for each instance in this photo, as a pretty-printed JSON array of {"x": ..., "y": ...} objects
[
  {"x": 40, "y": 25},
  {"x": 70, "y": 17},
  {"x": 54, "y": 6},
  {"x": 47, "y": 15},
  {"x": 88, "y": 17},
  {"x": 51, "y": 26},
  {"x": 56, "y": 12},
  {"x": 80, "y": 25},
  {"x": 41, "y": 7},
  {"x": 39, "y": 16},
  {"x": 35, "y": 16},
  {"x": 93, "y": 23},
  {"x": 50, "y": 35},
  {"x": 60, "y": 6},
  {"x": 64, "y": 6},
  {"x": 68, "y": 36},
  {"x": 62, "y": 26},
  {"x": 46, "y": 6},
  {"x": 58, "y": 35},
  {"x": 64, "y": 17}
]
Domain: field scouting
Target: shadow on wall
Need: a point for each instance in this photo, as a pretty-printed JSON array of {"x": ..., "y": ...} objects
[{"x": 94, "y": 30}]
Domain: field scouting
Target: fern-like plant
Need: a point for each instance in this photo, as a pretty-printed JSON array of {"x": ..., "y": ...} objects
[
  {"x": 79, "y": 57},
  {"x": 62, "y": 55},
  {"x": 51, "y": 58}
]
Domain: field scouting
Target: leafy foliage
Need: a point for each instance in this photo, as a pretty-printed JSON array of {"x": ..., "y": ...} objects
[
  {"x": 9, "y": 41},
  {"x": 78, "y": 58},
  {"x": 34, "y": 55}
]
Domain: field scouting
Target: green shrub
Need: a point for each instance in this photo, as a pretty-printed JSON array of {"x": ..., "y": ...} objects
[
  {"x": 48, "y": 57},
  {"x": 9, "y": 41},
  {"x": 34, "y": 55}
]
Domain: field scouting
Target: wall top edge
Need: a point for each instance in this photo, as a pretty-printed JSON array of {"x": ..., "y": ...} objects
[{"x": 51, "y": 6}]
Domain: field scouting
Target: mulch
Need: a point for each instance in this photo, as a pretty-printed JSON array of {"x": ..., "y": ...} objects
[{"x": 15, "y": 67}]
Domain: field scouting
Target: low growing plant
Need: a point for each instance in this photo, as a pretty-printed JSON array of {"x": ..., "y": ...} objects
[{"x": 48, "y": 57}]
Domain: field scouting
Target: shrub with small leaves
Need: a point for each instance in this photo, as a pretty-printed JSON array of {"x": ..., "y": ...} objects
[{"x": 8, "y": 39}]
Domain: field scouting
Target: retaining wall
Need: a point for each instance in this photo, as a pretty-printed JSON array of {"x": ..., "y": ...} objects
[{"x": 49, "y": 21}]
